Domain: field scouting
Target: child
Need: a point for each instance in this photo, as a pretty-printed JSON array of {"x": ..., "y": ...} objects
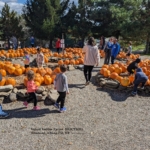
[
  {"x": 40, "y": 58},
  {"x": 26, "y": 59},
  {"x": 61, "y": 86},
  {"x": 129, "y": 50},
  {"x": 140, "y": 77},
  {"x": 2, "y": 113},
  {"x": 31, "y": 88},
  {"x": 134, "y": 65}
]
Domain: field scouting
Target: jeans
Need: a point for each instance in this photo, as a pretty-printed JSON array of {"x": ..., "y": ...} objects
[
  {"x": 58, "y": 50},
  {"x": 137, "y": 84},
  {"x": 88, "y": 72},
  {"x": 32, "y": 96},
  {"x": 107, "y": 57},
  {"x": 112, "y": 59},
  {"x": 61, "y": 98}
]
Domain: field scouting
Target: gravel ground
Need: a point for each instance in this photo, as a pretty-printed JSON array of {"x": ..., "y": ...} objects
[{"x": 96, "y": 119}]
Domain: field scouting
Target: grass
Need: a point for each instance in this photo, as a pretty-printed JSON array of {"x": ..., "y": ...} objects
[{"x": 138, "y": 47}]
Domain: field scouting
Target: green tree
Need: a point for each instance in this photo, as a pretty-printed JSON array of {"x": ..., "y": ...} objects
[{"x": 10, "y": 24}]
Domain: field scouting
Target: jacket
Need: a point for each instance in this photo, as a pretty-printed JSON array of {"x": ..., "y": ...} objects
[
  {"x": 31, "y": 87},
  {"x": 92, "y": 56},
  {"x": 115, "y": 50},
  {"x": 58, "y": 44},
  {"x": 140, "y": 76}
]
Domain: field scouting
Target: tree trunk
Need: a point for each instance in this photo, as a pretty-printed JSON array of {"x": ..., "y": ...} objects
[
  {"x": 147, "y": 50},
  {"x": 50, "y": 44},
  {"x": 83, "y": 41}
]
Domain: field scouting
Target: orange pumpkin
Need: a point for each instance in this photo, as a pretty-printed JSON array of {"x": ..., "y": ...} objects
[
  {"x": 41, "y": 71},
  {"x": 25, "y": 81},
  {"x": 106, "y": 73},
  {"x": 66, "y": 62},
  {"x": 57, "y": 70},
  {"x": 11, "y": 69},
  {"x": 16, "y": 65},
  {"x": 18, "y": 71},
  {"x": 23, "y": 69},
  {"x": 111, "y": 69},
  {"x": 60, "y": 62},
  {"x": 72, "y": 62},
  {"x": 113, "y": 75},
  {"x": 48, "y": 71},
  {"x": 47, "y": 80},
  {"x": 34, "y": 69},
  {"x": 105, "y": 66},
  {"x": 2, "y": 82},
  {"x": 119, "y": 78},
  {"x": 125, "y": 81},
  {"x": 53, "y": 77},
  {"x": 131, "y": 78},
  {"x": 118, "y": 70},
  {"x": 102, "y": 71},
  {"x": 37, "y": 83},
  {"x": 11, "y": 81},
  {"x": 3, "y": 72}
]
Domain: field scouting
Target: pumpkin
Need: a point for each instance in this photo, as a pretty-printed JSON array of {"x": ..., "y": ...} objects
[
  {"x": 27, "y": 69},
  {"x": 60, "y": 62},
  {"x": 11, "y": 81},
  {"x": 3, "y": 72},
  {"x": 72, "y": 62},
  {"x": 34, "y": 69},
  {"x": 131, "y": 78},
  {"x": 102, "y": 70},
  {"x": 119, "y": 78},
  {"x": 111, "y": 69},
  {"x": 41, "y": 71},
  {"x": 113, "y": 75},
  {"x": 47, "y": 80},
  {"x": 125, "y": 81},
  {"x": 106, "y": 73},
  {"x": 11, "y": 69},
  {"x": 76, "y": 62},
  {"x": 37, "y": 83},
  {"x": 2, "y": 82},
  {"x": 23, "y": 69},
  {"x": 148, "y": 82},
  {"x": 57, "y": 70},
  {"x": 42, "y": 79},
  {"x": 16, "y": 65},
  {"x": 105, "y": 66},
  {"x": 66, "y": 62},
  {"x": 38, "y": 79},
  {"x": 18, "y": 71},
  {"x": 53, "y": 77},
  {"x": 118, "y": 70},
  {"x": 48, "y": 71},
  {"x": 25, "y": 81}
]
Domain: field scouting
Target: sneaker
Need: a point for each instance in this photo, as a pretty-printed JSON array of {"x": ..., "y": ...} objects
[
  {"x": 36, "y": 108},
  {"x": 25, "y": 103},
  {"x": 63, "y": 109},
  {"x": 133, "y": 93},
  {"x": 4, "y": 115},
  {"x": 56, "y": 105},
  {"x": 142, "y": 88},
  {"x": 87, "y": 83}
]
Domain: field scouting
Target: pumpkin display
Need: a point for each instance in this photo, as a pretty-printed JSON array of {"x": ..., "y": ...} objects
[
  {"x": 3, "y": 72},
  {"x": 125, "y": 81},
  {"x": 11, "y": 81},
  {"x": 47, "y": 79},
  {"x": 2, "y": 82}
]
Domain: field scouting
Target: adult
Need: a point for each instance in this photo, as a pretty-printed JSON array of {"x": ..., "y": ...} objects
[
  {"x": 129, "y": 50},
  {"x": 58, "y": 45},
  {"x": 102, "y": 42},
  {"x": 114, "y": 51},
  {"x": 91, "y": 58},
  {"x": 14, "y": 42},
  {"x": 32, "y": 41},
  {"x": 107, "y": 50},
  {"x": 119, "y": 46},
  {"x": 2, "y": 113}
]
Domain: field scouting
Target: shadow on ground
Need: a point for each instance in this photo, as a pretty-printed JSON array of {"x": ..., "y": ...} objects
[{"x": 25, "y": 113}]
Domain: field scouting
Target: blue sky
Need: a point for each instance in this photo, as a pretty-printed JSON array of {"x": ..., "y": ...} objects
[{"x": 16, "y": 4}]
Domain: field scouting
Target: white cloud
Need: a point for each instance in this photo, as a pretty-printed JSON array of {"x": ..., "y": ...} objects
[{"x": 13, "y": 5}]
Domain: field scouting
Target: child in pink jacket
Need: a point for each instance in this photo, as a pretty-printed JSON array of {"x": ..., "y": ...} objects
[{"x": 31, "y": 88}]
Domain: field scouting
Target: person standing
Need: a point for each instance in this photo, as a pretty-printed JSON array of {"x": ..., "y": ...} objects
[
  {"x": 129, "y": 50},
  {"x": 40, "y": 58},
  {"x": 114, "y": 51},
  {"x": 61, "y": 85},
  {"x": 107, "y": 50},
  {"x": 58, "y": 45},
  {"x": 102, "y": 42},
  {"x": 91, "y": 58},
  {"x": 14, "y": 41},
  {"x": 32, "y": 41}
]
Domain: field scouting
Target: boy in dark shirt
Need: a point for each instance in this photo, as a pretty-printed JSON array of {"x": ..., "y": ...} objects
[
  {"x": 140, "y": 77},
  {"x": 134, "y": 65}
]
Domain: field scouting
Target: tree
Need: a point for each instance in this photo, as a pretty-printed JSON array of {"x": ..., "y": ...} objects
[{"x": 9, "y": 24}]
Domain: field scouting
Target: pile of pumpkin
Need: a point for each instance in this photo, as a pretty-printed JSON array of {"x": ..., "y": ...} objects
[
  {"x": 20, "y": 52},
  {"x": 113, "y": 71},
  {"x": 42, "y": 75}
]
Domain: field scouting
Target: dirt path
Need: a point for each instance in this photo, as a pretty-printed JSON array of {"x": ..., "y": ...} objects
[{"x": 96, "y": 119}]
